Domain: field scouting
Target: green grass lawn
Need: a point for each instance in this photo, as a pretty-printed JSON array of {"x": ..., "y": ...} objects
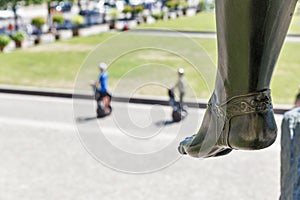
[
  {"x": 47, "y": 65},
  {"x": 44, "y": 69},
  {"x": 56, "y": 65},
  {"x": 295, "y": 25},
  {"x": 286, "y": 76},
  {"x": 205, "y": 21},
  {"x": 143, "y": 59}
]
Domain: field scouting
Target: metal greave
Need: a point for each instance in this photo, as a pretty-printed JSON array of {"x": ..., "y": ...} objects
[{"x": 250, "y": 36}]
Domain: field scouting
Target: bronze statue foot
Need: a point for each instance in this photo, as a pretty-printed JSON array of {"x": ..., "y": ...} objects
[{"x": 244, "y": 122}]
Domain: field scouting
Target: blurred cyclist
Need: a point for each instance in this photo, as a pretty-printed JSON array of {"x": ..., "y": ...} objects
[
  {"x": 180, "y": 85},
  {"x": 100, "y": 87}
]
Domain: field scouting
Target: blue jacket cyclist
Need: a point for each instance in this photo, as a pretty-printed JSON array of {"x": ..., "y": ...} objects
[{"x": 103, "y": 80}]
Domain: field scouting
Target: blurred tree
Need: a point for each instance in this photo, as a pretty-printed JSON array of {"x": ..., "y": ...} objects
[{"x": 13, "y": 4}]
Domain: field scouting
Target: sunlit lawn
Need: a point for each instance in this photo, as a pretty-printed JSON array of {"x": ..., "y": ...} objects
[
  {"x": 205, "y": 21},
  {"x": 56, "y": 65}
]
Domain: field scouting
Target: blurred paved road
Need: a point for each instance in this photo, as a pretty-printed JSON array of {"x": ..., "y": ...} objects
[
  {"x": 42, "y": 158},
  {"x": 193, "y": 34}
]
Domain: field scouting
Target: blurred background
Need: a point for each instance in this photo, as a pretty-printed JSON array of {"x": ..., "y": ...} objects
[
  {"x": 45, "y": 42},
  {"x": 52, "y": 49}
]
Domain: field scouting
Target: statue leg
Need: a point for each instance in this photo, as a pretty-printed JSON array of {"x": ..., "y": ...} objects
[{"x": 239, "y": 114}]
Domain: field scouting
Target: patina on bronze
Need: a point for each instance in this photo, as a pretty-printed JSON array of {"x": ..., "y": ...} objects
[{"x": 240, "y": 114}]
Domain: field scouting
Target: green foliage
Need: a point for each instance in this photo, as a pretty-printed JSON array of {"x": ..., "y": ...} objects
[
  {"x": 18, "y": 36},
  {"x": 38, "y": 22},
  {"x": 158, "y": 16},
  {"x": 138, "y": 9},
  {"x": 5, "y": 4},
  {"x": 127, "y": 9},
  {"x": 58, "y": 18},
  {"x": 4, "y": 40},
  {"x": 202, "y": 5},
  {"x": 114, "y": 14},
  {"x": 78, "y": 20},
  {"x": 172, "y": 4},
  {"x": 212, "y": 6},
  {"x": 184, "y": 5}
]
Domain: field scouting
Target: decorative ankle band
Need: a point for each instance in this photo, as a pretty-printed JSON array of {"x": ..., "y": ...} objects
[{"x": 243, "y": 104}]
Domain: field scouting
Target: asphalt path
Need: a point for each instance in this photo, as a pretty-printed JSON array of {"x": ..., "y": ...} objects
[
  {"x": 43, "y": 155},
  {"x": 193, "y": 34}
]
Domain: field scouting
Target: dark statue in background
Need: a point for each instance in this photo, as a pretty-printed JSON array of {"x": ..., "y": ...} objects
[{"x": 239, "y": 113}]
